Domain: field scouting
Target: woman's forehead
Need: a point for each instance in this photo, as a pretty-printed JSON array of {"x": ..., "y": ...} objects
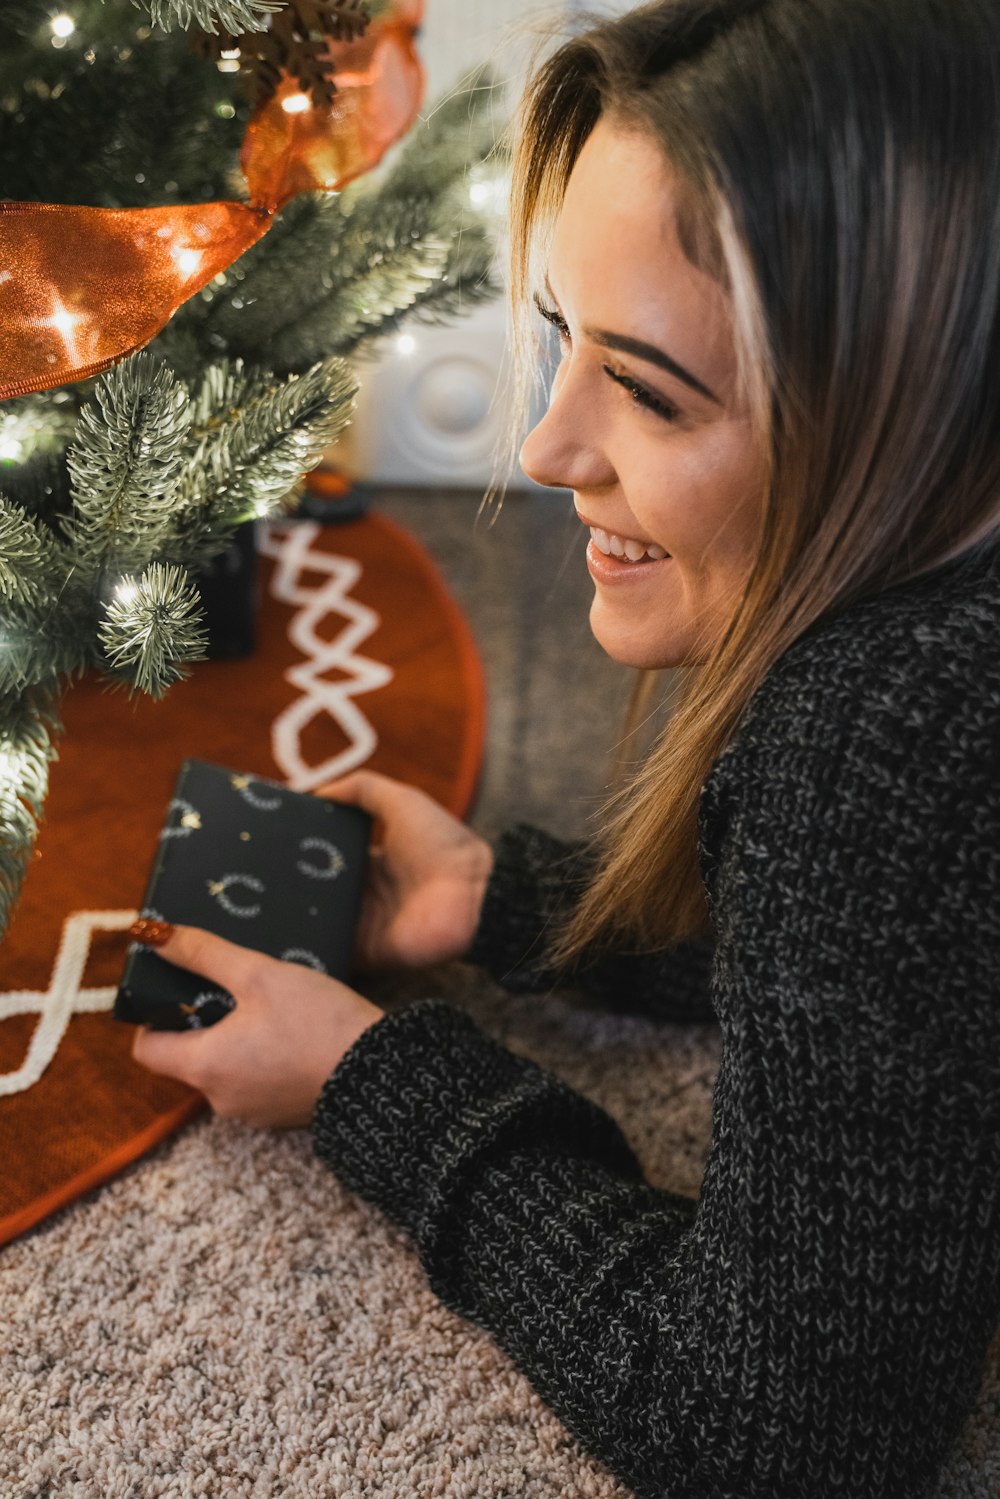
[{"x": 617, "y": 259}]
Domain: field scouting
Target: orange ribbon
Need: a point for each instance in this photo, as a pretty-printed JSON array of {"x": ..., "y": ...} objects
[{"x": 82, "y": 287}]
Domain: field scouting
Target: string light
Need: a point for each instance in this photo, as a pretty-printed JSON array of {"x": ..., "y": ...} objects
[
  {"x": 127, "y": 592},
  {"x": 188, "y": 261},
  {"x": 62, "y": 26},
  {"x": 65, "y": 323},
  {"x": 296, "y": 104},
  {"x": 229, "y": 61},
  {"x": 406, "y": 344}
]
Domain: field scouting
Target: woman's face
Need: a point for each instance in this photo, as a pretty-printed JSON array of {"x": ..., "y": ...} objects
[{"x": 644, "y": 422}]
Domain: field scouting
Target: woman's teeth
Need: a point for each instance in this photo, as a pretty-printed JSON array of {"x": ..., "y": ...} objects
[{"x": 625, "y": 547}]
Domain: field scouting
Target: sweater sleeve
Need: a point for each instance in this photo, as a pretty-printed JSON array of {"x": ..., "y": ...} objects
[
  {"x": 817, "y": 1323},
  {"x": 534, "y": 882}
]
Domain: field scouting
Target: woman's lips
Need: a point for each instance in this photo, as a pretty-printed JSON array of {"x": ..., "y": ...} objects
[
  {"x": 617, "y": 570},
  {"x": 628, "y": 548},
  {"x": 614, "y": 558}
]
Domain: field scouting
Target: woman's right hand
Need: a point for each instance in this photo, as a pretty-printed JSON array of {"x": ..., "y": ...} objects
[{"x": 427, "y": 875}]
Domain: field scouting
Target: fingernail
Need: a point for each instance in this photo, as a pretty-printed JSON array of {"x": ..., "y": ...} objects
[{"x": 151, "y": 933}]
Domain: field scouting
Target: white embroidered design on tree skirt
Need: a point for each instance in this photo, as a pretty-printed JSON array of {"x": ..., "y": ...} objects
[
  {"x": 63, "y": 998},
  {"x": 290, "y": 547}
]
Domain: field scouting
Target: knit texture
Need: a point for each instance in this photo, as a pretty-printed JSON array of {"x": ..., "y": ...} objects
[{"x": 816, "y": 1324}]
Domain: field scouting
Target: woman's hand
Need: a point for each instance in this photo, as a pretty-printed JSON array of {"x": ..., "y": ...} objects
[
  {"x": 427, "y": 875},
  {"x": 267, "y": 1060}
]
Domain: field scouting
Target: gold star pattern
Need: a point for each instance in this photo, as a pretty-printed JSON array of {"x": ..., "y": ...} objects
[
  {"x": 244, "y": 837},
  {"x": 191, "y": 820},
  {"x": 216, "y": 887},
  {"x": 239, "y": 783}
]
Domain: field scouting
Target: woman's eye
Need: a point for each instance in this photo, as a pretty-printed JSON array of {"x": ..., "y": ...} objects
[
  {"x": 641, "y": 396},
  {"x": 555, "y": 318}
]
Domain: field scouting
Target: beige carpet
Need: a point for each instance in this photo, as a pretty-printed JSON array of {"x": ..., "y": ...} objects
[{"x": 224, "y": 1320}]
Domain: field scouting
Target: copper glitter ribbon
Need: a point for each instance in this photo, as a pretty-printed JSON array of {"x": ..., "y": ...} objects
[{"x": 82, "y": 287}]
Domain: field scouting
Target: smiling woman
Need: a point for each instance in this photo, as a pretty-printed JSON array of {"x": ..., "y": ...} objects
[
  {"x": 656, "y": 454},
  {"x": 768, "y": 234}
]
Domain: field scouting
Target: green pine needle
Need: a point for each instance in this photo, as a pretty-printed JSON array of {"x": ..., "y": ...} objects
[
  {"x": 30, "y": 559},
  {"x": 234, "y": 16},
  {"x": 125, "y": 464},
  {"x": 29, "y": 724},
  {"x": 152, "y": 627},
  {"x": 255, "y": 441}
]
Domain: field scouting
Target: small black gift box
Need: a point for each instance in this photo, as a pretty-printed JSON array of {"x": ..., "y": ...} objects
[{"x": 276, "y": 870}]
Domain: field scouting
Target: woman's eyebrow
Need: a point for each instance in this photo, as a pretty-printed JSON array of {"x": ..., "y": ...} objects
[
  {"x": 642, "y": 350},
  {"x": 652, "y": 355}
]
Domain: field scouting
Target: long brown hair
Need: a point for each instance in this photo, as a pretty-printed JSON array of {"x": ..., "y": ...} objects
[{"x": 843, "y": 184}]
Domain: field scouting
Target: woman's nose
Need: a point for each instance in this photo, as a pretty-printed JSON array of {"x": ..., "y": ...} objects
[{"x": 564, "y": 450}]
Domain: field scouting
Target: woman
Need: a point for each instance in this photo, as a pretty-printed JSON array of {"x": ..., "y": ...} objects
[{"x": 769, "y": 237}]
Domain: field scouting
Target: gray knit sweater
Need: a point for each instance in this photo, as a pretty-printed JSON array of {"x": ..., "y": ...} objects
[{"x": 815, "y": 1325}]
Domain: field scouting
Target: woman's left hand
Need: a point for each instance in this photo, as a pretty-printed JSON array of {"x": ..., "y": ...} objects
[{"x": 267, "y": 1060}]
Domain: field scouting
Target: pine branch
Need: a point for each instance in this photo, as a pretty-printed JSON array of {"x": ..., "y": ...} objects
[
  {"x": 32, "y": 652},
  {"x": 466, "y": 281},
  {"x": 152, "y": 627},
  {"x": 29, "y": 724},
  {"x": 31, "y": 559},
  {"x": 35, "y": 425},
  {"x": 253, "y": 443},
  {"x": 300, "y": 293},
  {"x": 404, "y": 254},
  {"x": 234, "y": 16},
  {"x": 457, "y": 133},
  {"x": 125, "y": 465}
]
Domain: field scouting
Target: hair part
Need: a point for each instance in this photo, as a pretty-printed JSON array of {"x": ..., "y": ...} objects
[{"x": 842, "y": 183}]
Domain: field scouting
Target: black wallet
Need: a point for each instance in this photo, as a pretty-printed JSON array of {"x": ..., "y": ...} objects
[{"x": 276, "y": 870}]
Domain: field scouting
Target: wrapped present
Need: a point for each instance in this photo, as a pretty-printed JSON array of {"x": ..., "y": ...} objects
[{"x": 276, "y": 870}]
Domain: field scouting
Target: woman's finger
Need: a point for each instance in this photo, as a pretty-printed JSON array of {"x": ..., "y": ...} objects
[
  {"x": 191, "y": 947},
  {"x": 173, "y": 1053}
]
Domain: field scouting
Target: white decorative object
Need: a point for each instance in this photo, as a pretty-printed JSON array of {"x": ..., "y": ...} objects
[
  {"x": 291, "y": 547},
  {"x": 432, "y": 412},
  {"x": 64, "y": 996}
]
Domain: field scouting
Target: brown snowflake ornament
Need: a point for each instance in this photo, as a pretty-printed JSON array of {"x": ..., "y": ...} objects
[{"x": 294, "y": 43}]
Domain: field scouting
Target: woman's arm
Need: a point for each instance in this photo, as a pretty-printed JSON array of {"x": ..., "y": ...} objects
[
  {"x": 817, "y": 1324},
  {"x": 534, "y": 881}
]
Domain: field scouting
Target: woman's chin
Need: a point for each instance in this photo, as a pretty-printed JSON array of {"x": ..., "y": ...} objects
[{"x": 647, "y": 651}]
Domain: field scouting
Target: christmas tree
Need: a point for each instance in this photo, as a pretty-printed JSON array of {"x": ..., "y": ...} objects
[{"x": 116, "y": 487}]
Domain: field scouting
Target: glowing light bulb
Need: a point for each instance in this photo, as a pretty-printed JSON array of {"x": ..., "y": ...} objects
[
  {"x": 406, "y": 344},
  {"x": 10, "y": 448},
  {"x": 62, "y": 25},
  {"x": 127, "y": 592},
  {"x": 295, "y": 104},
  {"x": 479, "y": 192}
]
